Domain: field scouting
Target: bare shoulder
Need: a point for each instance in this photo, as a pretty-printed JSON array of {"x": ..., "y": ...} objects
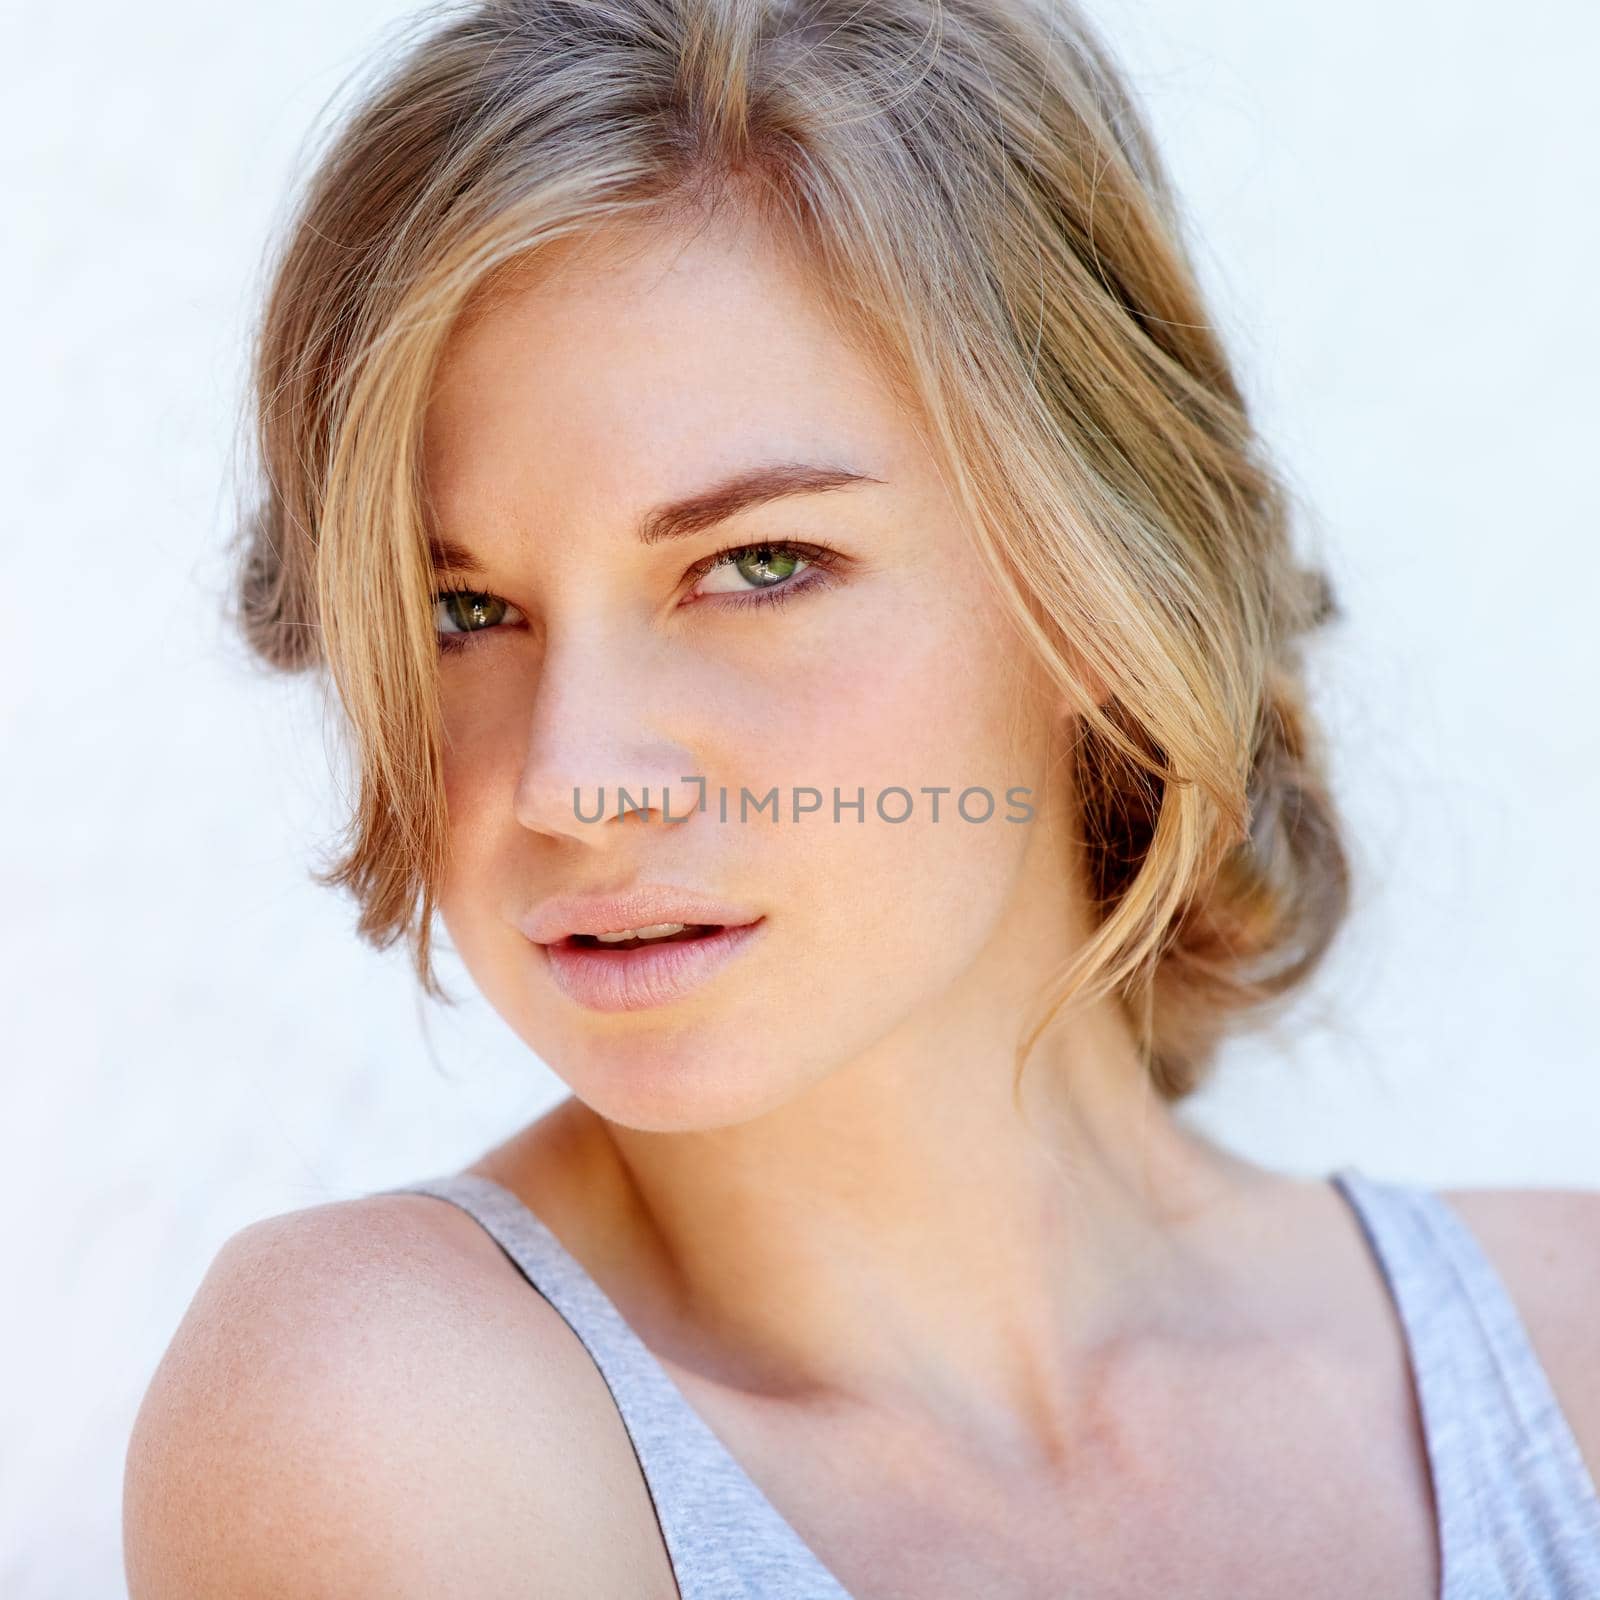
[
  {"x": 366, "y": 1398},
  {"x": 1545, "y": 1245}
]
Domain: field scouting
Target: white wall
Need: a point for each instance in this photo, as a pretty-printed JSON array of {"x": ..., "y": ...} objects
[{"x": 1396, "y": 203}]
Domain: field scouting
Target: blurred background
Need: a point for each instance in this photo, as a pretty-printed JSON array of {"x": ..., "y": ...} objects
[{"x": 1394, "y": 210}]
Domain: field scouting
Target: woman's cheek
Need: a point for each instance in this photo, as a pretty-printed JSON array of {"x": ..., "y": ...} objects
[{"x": 873, "y": 701}]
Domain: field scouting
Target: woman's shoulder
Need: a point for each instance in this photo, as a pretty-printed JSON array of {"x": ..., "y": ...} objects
[
  {"x": 1544, "y": 1243},
  {"x": 362, "y": 1397}
]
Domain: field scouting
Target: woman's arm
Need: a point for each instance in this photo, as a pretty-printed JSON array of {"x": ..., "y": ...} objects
[
  {"x": 347, "y": 1409},
  {"x": 1545, "y": 1244}
]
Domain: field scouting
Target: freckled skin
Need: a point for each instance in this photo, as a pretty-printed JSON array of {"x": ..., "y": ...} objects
[{"x": 591, "y": 394}]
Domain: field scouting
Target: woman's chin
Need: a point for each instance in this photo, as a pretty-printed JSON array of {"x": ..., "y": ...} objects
[{"x": 675, "y": 1097}]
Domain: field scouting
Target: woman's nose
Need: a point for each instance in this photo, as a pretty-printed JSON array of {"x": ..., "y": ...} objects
[{"x": 598, "y": 752}]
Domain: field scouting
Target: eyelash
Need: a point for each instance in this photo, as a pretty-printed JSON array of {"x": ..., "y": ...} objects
[{"x": 815, "y": 575}]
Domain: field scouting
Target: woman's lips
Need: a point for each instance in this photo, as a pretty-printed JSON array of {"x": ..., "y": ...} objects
[{"x": 651, "y": 975}]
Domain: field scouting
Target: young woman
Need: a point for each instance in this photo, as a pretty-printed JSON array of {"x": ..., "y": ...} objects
[{"x": 815, "y": 621}]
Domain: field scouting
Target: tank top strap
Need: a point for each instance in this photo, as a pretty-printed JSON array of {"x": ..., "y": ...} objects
[
  {"x": 1518, "y": 1511},
  {"x": 724, "y": 1538}
]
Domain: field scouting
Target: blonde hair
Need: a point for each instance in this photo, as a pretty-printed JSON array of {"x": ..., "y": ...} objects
[{"x": 984, "y": 210}]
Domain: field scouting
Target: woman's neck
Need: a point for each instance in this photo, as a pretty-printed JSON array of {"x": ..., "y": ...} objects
[{"x": 901, "y": 1236}]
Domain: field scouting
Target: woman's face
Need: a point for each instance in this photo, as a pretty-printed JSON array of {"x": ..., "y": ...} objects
[{"x": 872, "y": 658}]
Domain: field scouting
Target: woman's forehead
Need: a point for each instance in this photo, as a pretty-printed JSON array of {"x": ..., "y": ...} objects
[{"x": 686, "y": 359}]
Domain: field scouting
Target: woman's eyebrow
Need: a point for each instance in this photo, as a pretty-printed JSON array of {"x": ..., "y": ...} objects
[
  {"x": 694, "y": 513},
  {"x": 753, "y": 486}
]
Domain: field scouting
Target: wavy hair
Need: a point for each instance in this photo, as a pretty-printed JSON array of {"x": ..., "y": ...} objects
[{"x": 979, "y": 201}]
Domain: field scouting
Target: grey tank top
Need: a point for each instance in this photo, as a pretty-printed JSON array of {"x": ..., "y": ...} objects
[{"x": 1518, "y": 1514}]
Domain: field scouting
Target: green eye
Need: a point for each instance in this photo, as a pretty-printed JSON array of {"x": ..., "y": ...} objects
[
  {"x": 468, "y": 611},
  {"x": 746, "y": 575},
  {"x": 773, "y": 566},
  {"x": 740, "y": 575},
  {"x": 460, "y": 613}
]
